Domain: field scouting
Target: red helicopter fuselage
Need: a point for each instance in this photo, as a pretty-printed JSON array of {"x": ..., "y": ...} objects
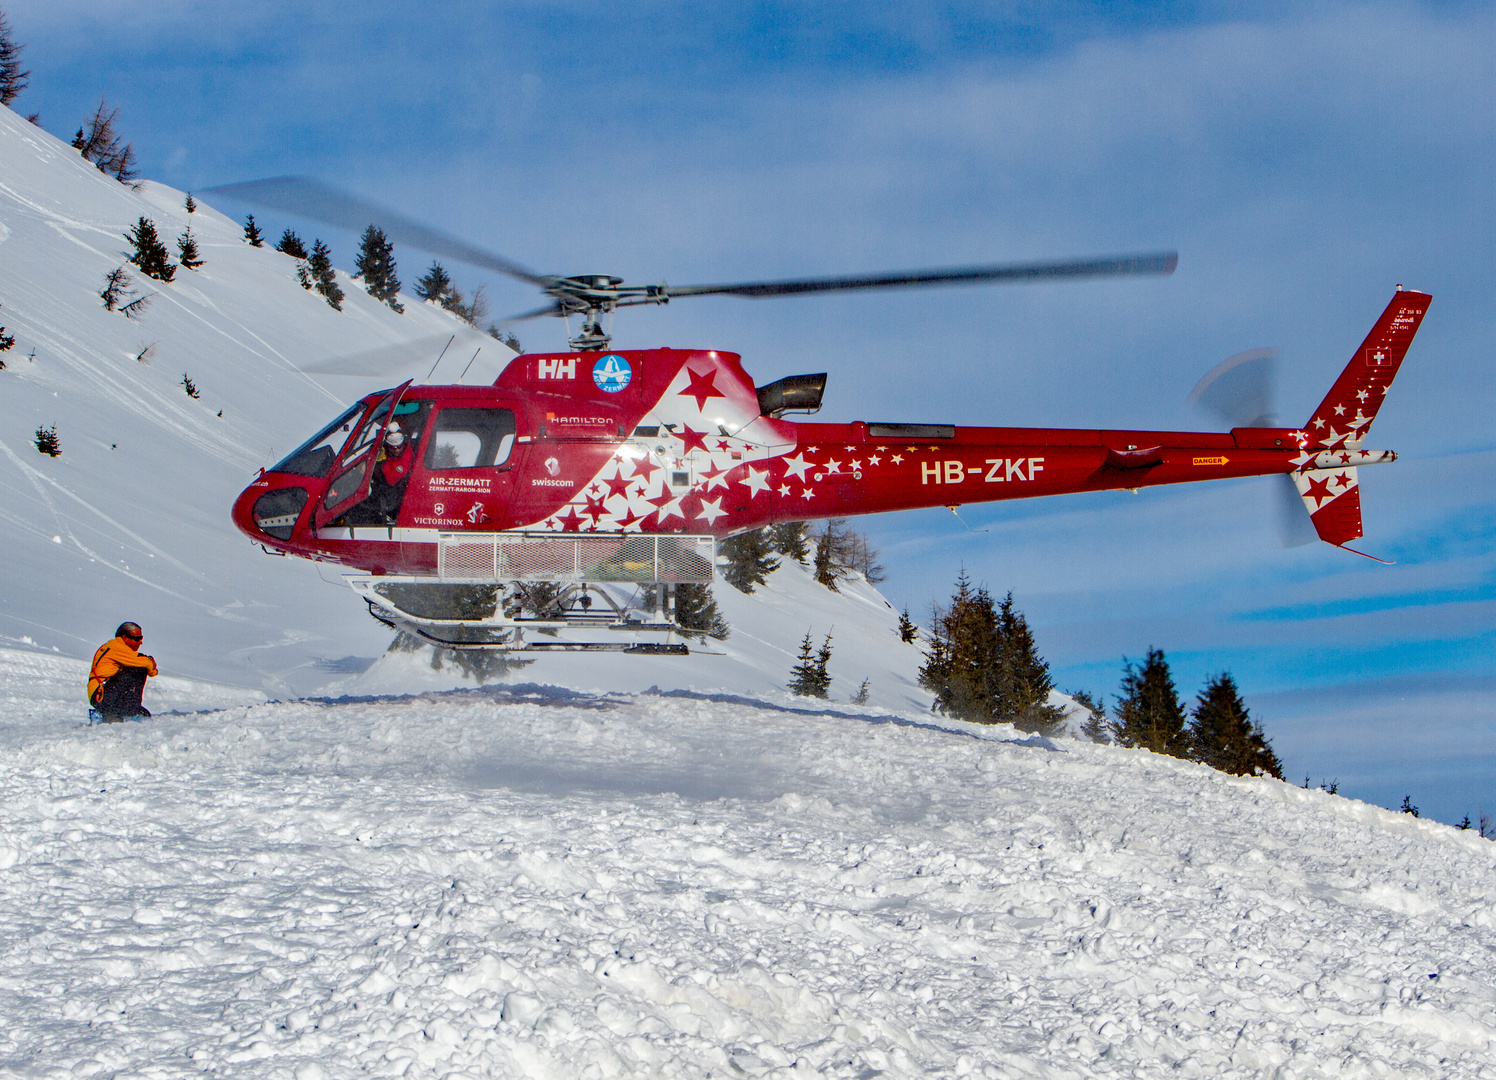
[{"x": 672, "y": 441}]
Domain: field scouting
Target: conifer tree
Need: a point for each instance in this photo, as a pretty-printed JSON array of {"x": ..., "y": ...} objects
[
  {"x": 750, "y": 559},
  {"x": 982, "y": 664},
  {"x": 1022, "y": 678},
  {"x": 150, "y": 253},
  {"x": 1096, "y": 728},
  {"x": 187, "y": 250},
  {"x": 908, "y": 632},
  {"x": 824, "y": 567},
  {"x": 12, "y": 79},
  {"x": 803, "y": 679},
  {"x": 7, "y": 341},
  {"x": 324, "y": 277},
  {"x": 823, "y": 677},
  {"x": 376, "y": 265},
  {"x": 252, "y": 232},
  {"x": 47, "y": 441},
  {"x": 809, "y": 677},
  {"x": 1149, "y": 713},
  {"x": 190, "y": 203},
  {"x": 289, "y": 243},
  {"x": 696, "y": 610},
  {"x": 860, "y": 698},
  {"x": 789, "y": 538},
  {"x": 1223, "y": 736},
  {"x": 434, "y": 285},
  {"x": 99, "y": 143}
]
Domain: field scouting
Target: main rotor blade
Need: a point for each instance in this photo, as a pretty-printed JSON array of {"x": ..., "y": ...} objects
[
  {"x": 313, "y": 199},
  {"x": 549, "y": 309},
  {"x": 1119, "y": 266}
]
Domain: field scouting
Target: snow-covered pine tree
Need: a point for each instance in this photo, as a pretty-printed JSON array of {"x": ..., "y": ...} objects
[
  {"x": 12, "y": 79},
  {"x": 7, "y": 341},
  {"x": 696, "y": 611},
  {"x": 376, "y": 265},
  {"x": 860, "y": 698},
  {"x": 189, "y": 386},
  {"x": 190, "y": 203},
  {"x": 252, "y": 234},
  {"x": 1223, "y": 736},
  {"x": 324, "y": 277},
  {"x": 47, "y": 441},
  {"x": 789, "y": 538},
  {"x": 1149, "y": 712},
  {"x": 434, "y": 285},
  {"x": 187, "y": 250},
  {"x": 750, "y": 559},
  {"x": 290, "y": 244},
  {"x": 150, "y": 255}
]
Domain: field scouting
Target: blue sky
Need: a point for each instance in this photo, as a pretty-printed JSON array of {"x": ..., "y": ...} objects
[{"x": 1303, "y": 162}]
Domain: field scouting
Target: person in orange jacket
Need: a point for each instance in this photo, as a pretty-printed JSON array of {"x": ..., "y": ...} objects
[{"x": 116, "y": 682}]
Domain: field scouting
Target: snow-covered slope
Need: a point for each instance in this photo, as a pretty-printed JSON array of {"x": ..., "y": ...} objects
[
  {"x": 528, "y": 882},
  {"x": 132, "y": 521}
]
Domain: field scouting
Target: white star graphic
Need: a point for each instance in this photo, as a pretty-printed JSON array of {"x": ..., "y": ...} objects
[
  {"x": 812, "y": 449},
  {"x": 1339, "y": 410},
  {"x": 1318, "y": 422},
  {"x": 711, "y": 511},
  {"x": 898, "y": 459},
  {"x": 797, "y": 465},
  {"x": 784, "y": 489},
  {"x": 756, "y": 481},
  {"x": 855, "y": 466},
  {"x": 849, "y": 448},
  {"x": 882, "y": 449},
  {"x": 833, "y": 466},
  {"x": 807, "y": 494},
  {"x": 671, "y": 509},
  {"x": 874, "y": 460},
  {"x": 718, "y": 481},
  {"x": 1360, "y": 395}
]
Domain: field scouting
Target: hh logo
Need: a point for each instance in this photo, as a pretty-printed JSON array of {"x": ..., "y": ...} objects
[
  {"x": 1002, "y": 470},
  {"x": 559, "y": 368}
]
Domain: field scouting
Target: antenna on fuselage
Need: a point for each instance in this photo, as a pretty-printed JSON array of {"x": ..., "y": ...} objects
[{"x": 439, "y": 356}]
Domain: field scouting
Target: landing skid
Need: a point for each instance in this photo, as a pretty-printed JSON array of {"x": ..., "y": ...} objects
[{"x": 391, "y": 600}]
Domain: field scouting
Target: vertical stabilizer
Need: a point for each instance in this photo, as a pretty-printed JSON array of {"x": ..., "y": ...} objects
[{"x": 1326, "y": 468}]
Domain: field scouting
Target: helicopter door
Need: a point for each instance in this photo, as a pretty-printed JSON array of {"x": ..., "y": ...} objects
[{"x": 353, "y": 474}]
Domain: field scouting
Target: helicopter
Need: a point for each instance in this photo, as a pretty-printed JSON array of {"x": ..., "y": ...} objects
[{"x": 610, "y": 475}]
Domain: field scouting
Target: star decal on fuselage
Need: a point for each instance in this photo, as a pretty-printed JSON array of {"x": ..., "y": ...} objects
[{"x": 703, "y": 386}]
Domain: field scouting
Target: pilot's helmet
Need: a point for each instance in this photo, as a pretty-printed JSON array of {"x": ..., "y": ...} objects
[{"x": 394, "y": 438}]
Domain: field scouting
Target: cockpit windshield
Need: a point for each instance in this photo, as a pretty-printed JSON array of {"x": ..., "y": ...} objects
[{"x": 315, "y": 456}]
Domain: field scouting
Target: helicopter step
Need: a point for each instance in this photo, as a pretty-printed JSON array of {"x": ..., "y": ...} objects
[{"x": 492, "y": 616}]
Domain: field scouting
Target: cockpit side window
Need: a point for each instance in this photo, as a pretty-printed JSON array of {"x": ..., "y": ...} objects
[
  {"x": 470, "y": 439},
  {"x": 315, "y": 456}
]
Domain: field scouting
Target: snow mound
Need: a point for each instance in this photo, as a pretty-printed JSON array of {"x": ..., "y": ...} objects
[{"x": 525, "y": 880}]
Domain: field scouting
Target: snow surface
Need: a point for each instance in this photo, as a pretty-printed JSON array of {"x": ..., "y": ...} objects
[
  {"x": 527, "y": 881},
  {"x": 600, "y": 865}
]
